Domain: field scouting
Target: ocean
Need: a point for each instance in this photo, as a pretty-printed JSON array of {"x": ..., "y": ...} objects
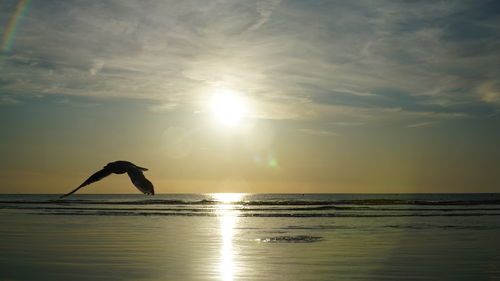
[{"x": 250, "y": 237}]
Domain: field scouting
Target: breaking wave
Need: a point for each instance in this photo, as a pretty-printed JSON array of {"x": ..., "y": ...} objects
[
  {"x": 300, "y": 206},
  {"x": 324, "y": 204}
]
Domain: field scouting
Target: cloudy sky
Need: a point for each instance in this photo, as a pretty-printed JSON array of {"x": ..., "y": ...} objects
[{"x": 251, "y": 96}]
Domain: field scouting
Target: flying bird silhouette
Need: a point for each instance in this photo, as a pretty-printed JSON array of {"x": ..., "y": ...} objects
[{"x": 120, "y": 167}]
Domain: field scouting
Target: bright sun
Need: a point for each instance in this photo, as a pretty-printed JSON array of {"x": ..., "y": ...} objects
[{"x": 228, "y": 107}]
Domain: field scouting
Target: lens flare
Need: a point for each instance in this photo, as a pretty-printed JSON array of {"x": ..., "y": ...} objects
[{"x": 8, "y": 36}]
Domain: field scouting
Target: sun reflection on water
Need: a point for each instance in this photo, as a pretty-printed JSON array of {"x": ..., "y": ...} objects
[
  {"x": 228, "y": 197},
  {"x": 228, "y": 217}
]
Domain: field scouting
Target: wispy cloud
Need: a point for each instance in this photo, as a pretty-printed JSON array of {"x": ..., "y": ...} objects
[
  {"x": 422, "y": 124},
  {"x": 164, "y": 107},
  {"x": 318, "y": 132},
  {"x": 348, "y": 124},
  {"x": 489, "y": 91},
  {"x": 76, "y": 103},
  {"x": 296, "y": 60},
  {"x": 265, "y": 9},
  {"x": 7, "y": 100}
]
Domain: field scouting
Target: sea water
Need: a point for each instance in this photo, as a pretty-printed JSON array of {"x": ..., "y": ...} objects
[{"x": 250, "y": 237}]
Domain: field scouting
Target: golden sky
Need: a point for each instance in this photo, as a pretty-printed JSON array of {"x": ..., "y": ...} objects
[{"x": 251, "y": 96}]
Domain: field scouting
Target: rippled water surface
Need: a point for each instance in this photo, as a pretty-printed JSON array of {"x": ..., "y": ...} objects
[{"x": 250, "y": 237}]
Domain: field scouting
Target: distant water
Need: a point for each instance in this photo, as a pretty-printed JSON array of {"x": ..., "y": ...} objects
[{"x": 250, "y": 237}]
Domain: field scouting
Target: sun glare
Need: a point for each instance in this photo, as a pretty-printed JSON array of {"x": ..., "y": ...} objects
[
  {"x": 228, "y": 197},
  {"x": 228, "y": 107}
]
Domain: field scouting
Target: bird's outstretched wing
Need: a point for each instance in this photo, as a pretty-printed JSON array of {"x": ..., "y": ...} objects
[
  {"x": 140, "y": 181},
  {"x": 93, "y": 178}
]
